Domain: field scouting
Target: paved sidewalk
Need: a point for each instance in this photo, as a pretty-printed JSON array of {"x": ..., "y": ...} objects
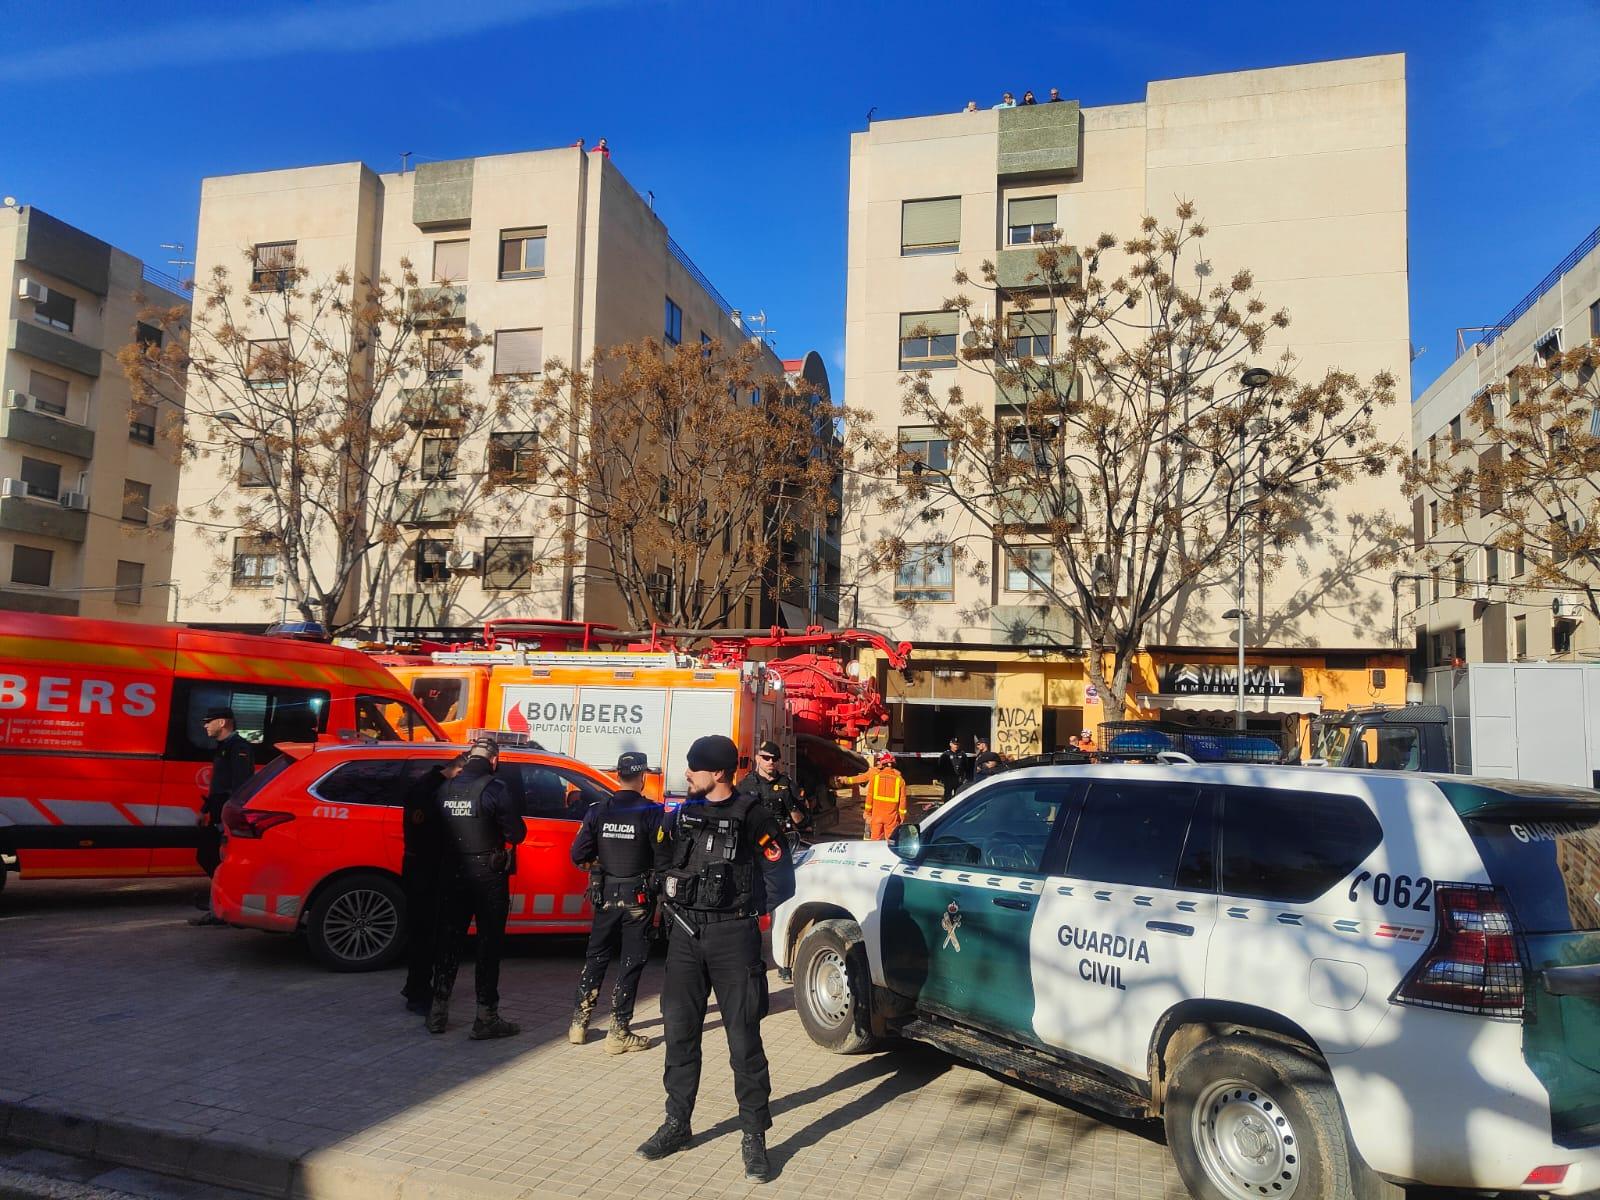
[{"x": 228, "y": 1056}]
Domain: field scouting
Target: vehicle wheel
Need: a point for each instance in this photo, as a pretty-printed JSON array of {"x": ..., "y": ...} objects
[
  {"x": 1248, "y": 1118},
  {"x": 832, "y": 986},
  {"x": 358, "y": 923}
]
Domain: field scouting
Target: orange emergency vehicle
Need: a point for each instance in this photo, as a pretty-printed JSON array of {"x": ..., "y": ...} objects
[
  {"x": 105, "y": 761},
  {"x": 592, "y": 691}
]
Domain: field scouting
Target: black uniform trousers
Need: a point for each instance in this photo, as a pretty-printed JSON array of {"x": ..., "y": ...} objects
[
  {"x": 725, "y": 959},
  {"x": 208, "y": 850},
  {"x": 619, "y": 926},
  {"x": 471, "y": 889},
  {"x": 419, "y": 879}
]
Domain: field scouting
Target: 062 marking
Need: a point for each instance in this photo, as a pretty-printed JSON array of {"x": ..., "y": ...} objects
[{"x": 1400, "y": 891}]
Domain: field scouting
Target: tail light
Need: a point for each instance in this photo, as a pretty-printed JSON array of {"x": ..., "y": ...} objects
[
  {"x": 241, "y": 822},
  {"x": 1474, "y": 964}
]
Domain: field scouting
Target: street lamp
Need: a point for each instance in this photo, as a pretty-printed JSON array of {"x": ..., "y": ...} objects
[{"x": 1253, "y": 378}]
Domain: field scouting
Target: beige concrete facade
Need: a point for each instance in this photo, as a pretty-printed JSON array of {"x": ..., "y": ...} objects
[
  {"x": 1473, "y": 602},
  {"x": 1300, "y": 175},
  {"x": 88, "y": 481},
  {"x": 609, "y": 269}
]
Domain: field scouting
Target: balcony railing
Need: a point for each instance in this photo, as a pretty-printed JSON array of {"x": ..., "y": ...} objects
[
  {"x": 1545, "y": 285},
  {"x": 171, "y": 283},
  {"x": 696, "y": 274}
]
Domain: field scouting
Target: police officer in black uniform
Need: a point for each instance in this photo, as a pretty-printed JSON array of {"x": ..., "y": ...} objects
[
  {"x": 773, "y": 787},
  {"x": 419, "y": 878},
  {"x": 479, "y": 821},
  {"x": 232, "y": 764},
  {"x": 723, "y": 862},
  {"x": 619, "y": 837}
]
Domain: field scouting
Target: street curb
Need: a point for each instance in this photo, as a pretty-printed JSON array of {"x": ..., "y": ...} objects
[{"x": 261, "y": 1168}]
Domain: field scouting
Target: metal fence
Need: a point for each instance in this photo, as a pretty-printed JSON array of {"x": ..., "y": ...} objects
[
  {"x": 696, "y": 274},
  {"x": 161, "y": 279},
  {"x": 1548, "y": 282}
]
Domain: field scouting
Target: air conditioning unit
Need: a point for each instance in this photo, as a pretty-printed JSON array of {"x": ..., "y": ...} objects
[
  {"x": 13, "y": 487},
  {"x": 463, "y": 560},
  {"x": 1568, "y": 606},
  {"x": 77, "y": 500},
  {"x": 16, "y": 399},
  {"x": 27, "y": 289}
]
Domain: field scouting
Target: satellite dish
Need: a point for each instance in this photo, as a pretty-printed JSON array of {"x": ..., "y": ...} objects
[{"x": 11, "y": 201}]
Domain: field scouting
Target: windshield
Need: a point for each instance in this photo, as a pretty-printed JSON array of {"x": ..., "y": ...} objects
[{"x": 1331, "y": 741}]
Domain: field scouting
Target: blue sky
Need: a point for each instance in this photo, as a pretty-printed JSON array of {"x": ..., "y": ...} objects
[{"x": 738, "y": 116}]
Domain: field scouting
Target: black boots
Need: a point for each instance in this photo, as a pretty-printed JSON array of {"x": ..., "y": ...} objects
[
  {"x": 490, "y": 1024},
  {"x": 673, "y": 1136},
  {"x": 438, "y": 1015},
  {"x": 754, "y": 1151}
]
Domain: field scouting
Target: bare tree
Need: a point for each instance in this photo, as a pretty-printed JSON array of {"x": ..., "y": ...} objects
[
  {"x": 1519, "y": 473},
  {"x": 694, "y": 472},
  {"x": 331, "y": 413},
  {"x": 1116, "y": 447}
]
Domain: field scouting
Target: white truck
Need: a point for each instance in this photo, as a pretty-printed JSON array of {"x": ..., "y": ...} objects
[{"x": 1536, "y": 721}]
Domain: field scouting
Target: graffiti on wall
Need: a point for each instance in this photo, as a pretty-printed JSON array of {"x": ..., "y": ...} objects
[{"x": 1016, "y": 731}]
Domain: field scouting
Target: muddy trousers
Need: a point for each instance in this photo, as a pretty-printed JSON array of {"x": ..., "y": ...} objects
[
  {"x": 725, "y": 959},
  {"x": 475, "y": 891},
  {"x": 618, "y": 929}
]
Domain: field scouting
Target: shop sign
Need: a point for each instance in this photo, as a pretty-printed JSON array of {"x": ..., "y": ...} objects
[{"x": 1222, "y": 679}]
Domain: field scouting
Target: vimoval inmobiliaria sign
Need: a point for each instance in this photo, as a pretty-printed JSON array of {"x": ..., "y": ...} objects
[{"x": 1222, "y": 679}]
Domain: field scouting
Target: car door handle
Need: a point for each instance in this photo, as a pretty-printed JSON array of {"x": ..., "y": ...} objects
[
  {"x": 1170, "y": 927},
  {"x": 1013, "y": 902}
]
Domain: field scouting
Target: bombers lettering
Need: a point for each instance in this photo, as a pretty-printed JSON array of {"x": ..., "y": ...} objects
[
  {"x": 1115, "y": 945},
  {"x": 57, "y": 694},
  {"x": 553, "y": 712}
]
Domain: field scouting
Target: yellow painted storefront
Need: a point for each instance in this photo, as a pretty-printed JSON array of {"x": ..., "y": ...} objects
[{"x": 1039, "y": 702}]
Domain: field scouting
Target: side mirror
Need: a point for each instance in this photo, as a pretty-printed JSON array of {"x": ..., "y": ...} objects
[{"x": 906, "y": 843}]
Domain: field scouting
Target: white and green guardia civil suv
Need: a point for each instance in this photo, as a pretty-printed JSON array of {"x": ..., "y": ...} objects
[{"x": 1326, "y": 983}]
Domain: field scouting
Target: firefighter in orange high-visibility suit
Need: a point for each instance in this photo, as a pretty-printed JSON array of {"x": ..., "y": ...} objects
[{"x": 885, "y": 804}]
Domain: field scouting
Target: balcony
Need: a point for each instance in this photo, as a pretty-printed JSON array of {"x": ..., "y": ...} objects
[
  {"x": 444, "y": 302},
  {"x": 434, "y": 505},
  {"x": 46, "y": 432},
  {"x": 38, "y": 602},
  {"x": 42, "y": 518},
  {"x": 1059, "y": 382},
  {"x": 1042, "y": 624},
  {"x": 47, "y": 345},
  {"x": 432, "y": 404},
  {"x": 1039, "y": 139},
  {"x": 441, "y": 193},
  {"x": 1017, "y": 270},
  {"x": 58, "y": 249}
]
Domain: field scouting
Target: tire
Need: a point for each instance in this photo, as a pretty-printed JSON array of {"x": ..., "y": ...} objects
[
  {"x": 358, "y": 923},
  {"x": 1248, "y": 1118},
  {"x": 833, "y": 986}
]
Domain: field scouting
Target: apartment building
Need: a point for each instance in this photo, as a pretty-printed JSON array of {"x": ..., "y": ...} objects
[
  {"x": 1472, "y": 601},
  {"x": 547, "y": 254},
  {"x": 1300, "y": 175},
  {"x": 86, "y": 481}
]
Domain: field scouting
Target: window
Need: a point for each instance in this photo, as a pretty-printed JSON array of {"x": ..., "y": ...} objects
[
  {"x": 1459, "y": 572},
  {"x": 1132, "y": 833},
  {"x": 135, "y": 502},
  {"x": 1594, "y": 319},
  {"x": 379, "y": 783},
  {"x": 379, "y": 719},
  {"x": 1292, "y": 846},
  {"x": 256, "y": 467},
  {"x": 673, "y": 327},
  {"x": 130, "y": 582},
  {"x": 1031, "y": 333},
  {"x": 553, "y": 793},
  {"x": 927, "y": 574},
  {"x": 1513, "y": 392},
  {"x": 1491, "y": 565},
  {"x": 1519, "y": 561},
  {"x": 507, "y": 562},
  {"x": 927, "y": 340},
  {"x": 930, "y": 226},
  {"x": 268, "y": 363},
  {"x": 1461, "y": 645},
  {"x": 49, "y": 393},
  {"x": 1489, "y": 495},
  {"x": 1028, "y": 568},
  {"x": 432, "y": 559},
  {"x": 522, "y": 253},
  {"x": 272, "y": 266},
  {"x": 1030, "y": 219},
  {"x": 57, "y": 310},
  {"x": 43, "y": 478},
  {"x": 439, "y": 457},
  {"x": 265, "y": 715},
  {"x": 1561, "y": 636},
  {"x": 1006, "y": 828},
  {"x": 518, "y": 351},
  {"x": 31, "y": 566},
  {"x": 1433, "y": 579},
  {"x": 705, "y": 343},
  {"x": 442, "y": 354},
  {"x": 514, "y": 455},
  {"x": 441, "y": 697},
  {"x": 923, "y": 448},
  {"x": 450, "y": 261},
  {"x": 142, "y": 424},
  {"x": 1455, "y": 428},
  {"x": 1519, "y": 636},
  {"x": 255, "y": 563},
  {"x": 1433, "y": 516},
  {"x": 149, "y": 335}
]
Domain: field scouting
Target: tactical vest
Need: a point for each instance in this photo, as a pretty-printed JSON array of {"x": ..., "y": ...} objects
[
  {"x": 466, "y": 823},
  {"x": 713, "y": 866},
  {"x": 623, "y": 838}
]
